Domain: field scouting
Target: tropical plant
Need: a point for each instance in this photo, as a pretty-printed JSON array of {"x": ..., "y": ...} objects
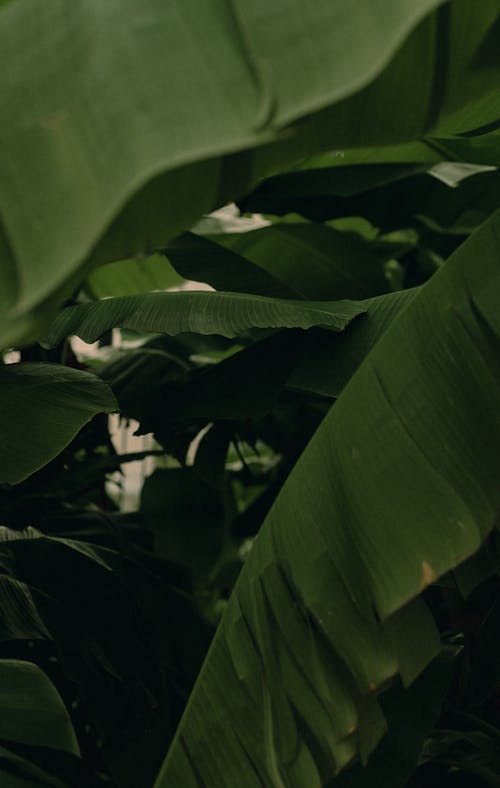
[{"x": 305, "y": 592}]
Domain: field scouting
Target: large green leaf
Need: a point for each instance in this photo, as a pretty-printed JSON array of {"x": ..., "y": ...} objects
[
  {"x": 42, "y": 407},
  {"x": 398, "y": 485},
  {"x": 31, "y": 710},
  {"x": 408, "y": 156},
  {"x": 134, "y": 103},
  {"x": 227, "y": 314},
  {"x": 313, "y": 260}
]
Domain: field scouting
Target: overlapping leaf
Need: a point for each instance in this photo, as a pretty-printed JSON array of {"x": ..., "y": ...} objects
[
  {"x": 31, "y": 710},
  {"x": 227, "y": 314},
  {"x": 203, "y": 260},
  {"x": 398, "y": 486},
  {"x": 120, "y": 632},
  {"x": 100, "y": 168},
  {"x": 50, "y": 403},
  {"x": 396, "y": 204},
  {"x": 313, "y": 260}
]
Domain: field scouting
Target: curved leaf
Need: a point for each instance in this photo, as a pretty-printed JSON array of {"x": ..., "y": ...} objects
[
  {"x": 119, "y": 151},
  {"x": 50, "y": 403},
  {"x": 31, "y": 710},
  {"x": 425, "y": 153},
  {"x": 227, "y": 314},
  {"x": 398, "y": 203},
  {"x": 324, "y": 176},
  {"x": 18, "y": 772},
  {"x": 398, "y": 485}
]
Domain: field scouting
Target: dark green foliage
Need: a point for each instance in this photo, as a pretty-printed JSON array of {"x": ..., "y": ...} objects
[{"x": 303, "y": 590}]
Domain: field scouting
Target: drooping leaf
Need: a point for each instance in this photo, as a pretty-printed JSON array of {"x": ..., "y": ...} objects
[
  {"x": 50, "y": 403},
  {"x": 227, "y": 314},
  {"x": 325, "y": 610},
  {"x": 31, "y": 710},
  {"x": 406, "y": 200},
  {"x": 128, "y": 277},
  {"x": 78, "y": 191}
]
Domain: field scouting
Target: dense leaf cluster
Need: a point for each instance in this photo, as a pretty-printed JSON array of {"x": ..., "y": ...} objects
[{"x": 304, "y": 592}]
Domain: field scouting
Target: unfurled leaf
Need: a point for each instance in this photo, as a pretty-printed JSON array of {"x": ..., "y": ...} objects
[
  {"x": 227, "y": 314},
  {"x": 100, "y": 168},
  {"x": 50, "y": 404},
  {"x": 398, "y": 486}
]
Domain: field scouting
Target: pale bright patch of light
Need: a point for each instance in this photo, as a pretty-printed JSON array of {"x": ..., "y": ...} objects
[
  {"x": 228, "y": 219},
  {"x": 125, "y": 486},
  {"x": 453, "y": 172},
  {"x": 12, "y": 357},
  {"x": 84, "y": 350}
]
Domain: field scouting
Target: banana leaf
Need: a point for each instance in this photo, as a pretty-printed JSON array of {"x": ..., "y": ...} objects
[
  {"x": 101, "y": 168},
  {"x": 398, "y": 486}
]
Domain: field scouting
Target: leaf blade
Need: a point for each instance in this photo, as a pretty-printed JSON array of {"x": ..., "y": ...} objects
[
  {"x": 227, "y": 314},
  {"x": 345, "y": 553},
  {"x": 66, "y": 399}
]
